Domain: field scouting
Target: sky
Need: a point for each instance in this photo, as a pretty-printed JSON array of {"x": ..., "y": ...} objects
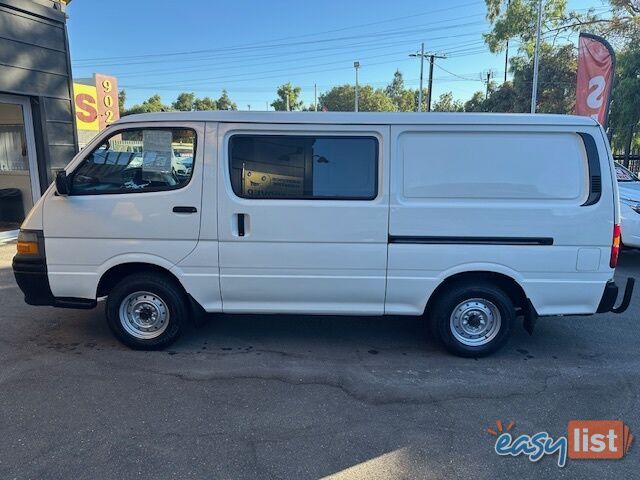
[{"x": 250, "y": 47}]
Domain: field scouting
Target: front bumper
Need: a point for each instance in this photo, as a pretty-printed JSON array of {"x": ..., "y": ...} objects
[
  {"x": 610, "y": 295},
  {"x": 32, "y": 278}
]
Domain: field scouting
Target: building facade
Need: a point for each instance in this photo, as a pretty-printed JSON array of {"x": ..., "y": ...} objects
[{"x": 37, "y": 113}]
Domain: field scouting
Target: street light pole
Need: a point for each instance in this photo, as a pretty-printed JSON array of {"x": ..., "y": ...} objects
[
  {"x": 356, "y": 65},
  {"x": 315, "y": 97},
  {"x": 536, "y": 61},
  {"x": 421, "y": 76}
]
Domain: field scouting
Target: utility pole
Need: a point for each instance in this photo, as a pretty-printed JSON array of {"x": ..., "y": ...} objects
[
  {"x": 287, "y": 102},
  {"x": 315, "y": 97},
  {"x": 356, "y": 65},
  {"x": 506, "y": 54},
  {"x": 267, "y": 103},
  {"x": 421, "y": 76},
  {"x": 486, "y": 79},
  {"x": 249, "y": 107},
  {"x": 536, "y": 61},
  {"x": 432, "y": 57}
]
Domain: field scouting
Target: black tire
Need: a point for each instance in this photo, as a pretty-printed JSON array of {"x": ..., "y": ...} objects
[
  {"x": 460, "y": 296},
  {"x": 166, "y": 300}
]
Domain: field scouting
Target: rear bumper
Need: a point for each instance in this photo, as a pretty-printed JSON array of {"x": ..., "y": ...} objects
[
  {"x": 31, "y": 277},
  {"x": 610, "y": 295}
]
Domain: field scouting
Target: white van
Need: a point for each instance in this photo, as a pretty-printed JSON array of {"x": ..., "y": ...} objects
[{"x": 470, "y": 219}]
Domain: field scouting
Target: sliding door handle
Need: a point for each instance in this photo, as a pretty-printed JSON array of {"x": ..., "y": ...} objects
[
  {"x": 181, "y": 209},
  {"x": 241, "y": 230}
]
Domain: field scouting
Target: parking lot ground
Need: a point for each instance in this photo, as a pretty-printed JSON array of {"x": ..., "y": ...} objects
[{"x": 302, "y": 397}]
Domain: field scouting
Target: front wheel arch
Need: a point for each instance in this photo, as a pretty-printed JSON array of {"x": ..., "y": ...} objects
[{"x": 115, "y": 274}]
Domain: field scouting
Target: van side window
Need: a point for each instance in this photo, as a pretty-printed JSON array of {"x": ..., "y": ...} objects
[
  {"x": 304, "y": 167},
  {"x": 137, "y": 160}
]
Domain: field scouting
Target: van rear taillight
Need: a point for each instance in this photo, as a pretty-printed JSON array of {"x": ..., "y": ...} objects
[{"x": 615, "y": 246}]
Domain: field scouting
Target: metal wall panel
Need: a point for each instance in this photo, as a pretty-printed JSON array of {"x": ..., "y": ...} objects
[{"x": 34, "y": 62}]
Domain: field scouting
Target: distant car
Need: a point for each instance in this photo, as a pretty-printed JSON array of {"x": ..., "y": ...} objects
[
  {"x": 178, "y": 167},
  {"x": 187, "y": 162},
  {"x": 629, "y": 188}
]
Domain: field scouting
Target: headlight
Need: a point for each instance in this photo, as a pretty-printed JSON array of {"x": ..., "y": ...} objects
[{"x": 632, "y": 204}]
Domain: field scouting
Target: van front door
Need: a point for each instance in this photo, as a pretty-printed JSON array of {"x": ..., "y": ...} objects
[
  {"x": 303, "y": 218},
  {"x": 135, "y": 197}
]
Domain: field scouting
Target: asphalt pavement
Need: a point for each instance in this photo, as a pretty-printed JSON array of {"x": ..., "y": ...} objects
[{"x": 302, "y": 397}]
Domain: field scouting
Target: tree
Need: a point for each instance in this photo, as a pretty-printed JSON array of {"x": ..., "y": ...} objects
[
  {"x": 625, "y": 104},
  {"x": 152, "y": 104},
  {"x": 505, "y": 99},
  {"x": 206, "y": 103},
  {"x": 342, "y": 99},
  {"x": 280, "y": 104},
  {"x": 184, "y": 102},
  {"x": 556, "y": 80},
  {"x": 122, "y": 99},
  {"x": 446, "y": 103},
  {"x": 225, "y": 103},
  {"x": 518, "y": 19},
  {"x": 476, "y": 103},
  {"x": 397, "y": 92}
]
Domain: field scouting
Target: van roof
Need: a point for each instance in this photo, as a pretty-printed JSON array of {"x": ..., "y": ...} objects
[{"x": 363, "y": 118}]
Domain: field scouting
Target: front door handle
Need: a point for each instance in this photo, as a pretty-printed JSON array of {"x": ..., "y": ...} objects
[{"x": 181, "y": 209}]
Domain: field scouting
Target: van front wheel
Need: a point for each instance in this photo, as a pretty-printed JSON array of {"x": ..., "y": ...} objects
[
  {"x": 146, "y": 312},
  {"x": 473, "y": 319}
]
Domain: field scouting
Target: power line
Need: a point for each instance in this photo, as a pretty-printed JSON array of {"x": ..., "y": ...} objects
[{"x": 253, "y": 44}]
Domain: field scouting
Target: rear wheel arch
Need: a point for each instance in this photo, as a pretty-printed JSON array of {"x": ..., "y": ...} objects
[{"x": 510, "y": 286}]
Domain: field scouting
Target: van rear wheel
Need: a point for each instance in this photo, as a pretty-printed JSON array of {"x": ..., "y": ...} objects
[
  {"x": 473, "y": 318},
  {"x": 146, "y": 312}
]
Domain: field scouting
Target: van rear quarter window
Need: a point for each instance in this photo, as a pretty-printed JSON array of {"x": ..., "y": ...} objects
[
  {"x": 494, "y": 165},
  {"x": 303, "y": 167}
]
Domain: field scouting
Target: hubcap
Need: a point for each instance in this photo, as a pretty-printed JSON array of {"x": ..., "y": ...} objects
[
  {"x": 475, "y": 322},
  {"x": 144, "y": 315}
]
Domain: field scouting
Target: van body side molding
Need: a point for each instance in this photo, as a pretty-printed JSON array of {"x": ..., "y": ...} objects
[
  {"x": 595, "y": 177},
  {"x": 471, "y": 240}
]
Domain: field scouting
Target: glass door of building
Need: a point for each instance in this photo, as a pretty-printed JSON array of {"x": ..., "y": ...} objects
[{"x": 19, "y": 181}]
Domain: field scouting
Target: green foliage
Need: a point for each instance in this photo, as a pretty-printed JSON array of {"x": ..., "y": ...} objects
[
  {"x": 404, "y": 99},
  {"x": 625, "y": 105},
  {"x": 518, "y": 19},
  {"x": 206, "y": 103},
  {"x": 446, "y": 103},
  {"x": 342, "y": 99},
  {"x": 556, "y": 85},
  {"x": 122, "y": 99},
  {"x": 225, "y": 103},
  {"x": 184, "y": 102},
  {"x": 152, "y": 104},
  {"x": 476, "y": 103},
  {"x": 280, "y": 104}
]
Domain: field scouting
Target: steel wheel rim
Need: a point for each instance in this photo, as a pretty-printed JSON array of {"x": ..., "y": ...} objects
[
  {"x": 144, "y": 315},
  {"x": 475, "y": 322}
]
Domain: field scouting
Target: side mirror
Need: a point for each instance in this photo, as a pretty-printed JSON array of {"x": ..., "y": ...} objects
[{"x": 62, "y": 183}]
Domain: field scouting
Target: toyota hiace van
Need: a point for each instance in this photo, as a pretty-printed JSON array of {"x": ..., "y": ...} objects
[{"x": 473, "y": 221}]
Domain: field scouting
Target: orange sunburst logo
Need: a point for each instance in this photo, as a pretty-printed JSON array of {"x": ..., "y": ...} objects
[{"x": 500, "y": 428}]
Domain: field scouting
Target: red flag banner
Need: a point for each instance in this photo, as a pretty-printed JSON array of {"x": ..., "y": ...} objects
[{"x": 596, "y": 68}]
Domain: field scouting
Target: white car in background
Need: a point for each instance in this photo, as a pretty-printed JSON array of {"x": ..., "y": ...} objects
[{"x": 629, "y": 188}]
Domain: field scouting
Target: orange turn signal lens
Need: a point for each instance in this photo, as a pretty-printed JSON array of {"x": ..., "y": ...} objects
[
  {"x": 27, "y": 248},
  {"x": 28, "y": 243}
]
